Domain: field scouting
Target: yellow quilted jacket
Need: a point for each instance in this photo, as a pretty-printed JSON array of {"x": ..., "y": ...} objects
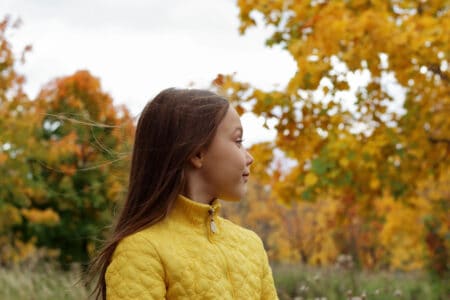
[{"x": 191, "y": 254}]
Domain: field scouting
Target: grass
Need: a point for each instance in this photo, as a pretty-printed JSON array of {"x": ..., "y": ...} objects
[
  {"x": 293, "y": 282},
  {"x": 44, "y": 282},
  {"x": 302, "y": 282}
]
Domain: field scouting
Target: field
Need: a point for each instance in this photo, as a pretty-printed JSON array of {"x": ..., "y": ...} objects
[
  {"x": 293, "y": 282},
  {"x": 301, "y": 283}
]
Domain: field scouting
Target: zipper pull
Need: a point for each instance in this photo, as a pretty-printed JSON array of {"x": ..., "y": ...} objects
[{"x": 212, "y": 224}]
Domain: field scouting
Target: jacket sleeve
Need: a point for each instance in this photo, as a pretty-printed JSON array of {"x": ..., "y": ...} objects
[
  {"x": 135, "y": 272},
  {"x": 268, "y": 290}
]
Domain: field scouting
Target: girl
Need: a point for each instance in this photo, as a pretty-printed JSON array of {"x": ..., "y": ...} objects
[{"x": 169, "y": 241}]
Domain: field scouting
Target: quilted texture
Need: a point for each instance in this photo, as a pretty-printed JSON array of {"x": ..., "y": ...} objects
[{"x": 181, "y": 258}]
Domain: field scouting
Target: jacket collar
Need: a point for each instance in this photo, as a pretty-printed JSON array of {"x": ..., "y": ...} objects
[{"x": 196, "y": 212}]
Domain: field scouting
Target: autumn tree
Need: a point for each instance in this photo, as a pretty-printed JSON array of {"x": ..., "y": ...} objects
[
  {"x": 365, "y": 117},
  {"x": 85, "y": 142},
  {"x": 63, "y": 163},
  {"x": 17, "y": 122}
]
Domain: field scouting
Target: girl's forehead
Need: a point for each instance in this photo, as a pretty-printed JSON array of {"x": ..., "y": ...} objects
[{"x": 231, "y": 122}]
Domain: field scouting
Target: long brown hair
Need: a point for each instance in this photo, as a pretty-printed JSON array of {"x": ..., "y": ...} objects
[{"x": 174, "y": 126}]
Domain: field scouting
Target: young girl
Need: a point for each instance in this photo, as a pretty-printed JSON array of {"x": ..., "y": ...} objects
[{"x": 169, "y": 241}]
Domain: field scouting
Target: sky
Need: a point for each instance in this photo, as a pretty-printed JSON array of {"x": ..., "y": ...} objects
[{"x": 139, "y": 47}]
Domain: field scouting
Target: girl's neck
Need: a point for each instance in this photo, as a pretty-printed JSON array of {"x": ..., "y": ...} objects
[{"x": 198, "y": 196}]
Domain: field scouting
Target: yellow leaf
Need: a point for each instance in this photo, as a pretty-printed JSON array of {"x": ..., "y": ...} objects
[
  {"x": 3, "y": 158},
  {"x": 374, "y": 184},
  {"x": 343, "y": 162},
  {"x": 311, "y": 179}
]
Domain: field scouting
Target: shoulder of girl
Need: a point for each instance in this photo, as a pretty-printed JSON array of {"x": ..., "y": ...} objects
[
  {"x": 247, "y": 233},
  {"x": 138, "y": 240}
]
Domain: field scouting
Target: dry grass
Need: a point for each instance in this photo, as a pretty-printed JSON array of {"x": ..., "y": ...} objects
[
  {"x": 293, "y": 282},
  {"x": 44, "y": 282},
  {"x": 335, "y": 283}
]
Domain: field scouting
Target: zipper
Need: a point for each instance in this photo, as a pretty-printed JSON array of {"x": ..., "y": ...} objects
[
  {"x": 212, "y": 223},
  {"x": 213, "y": 230}
]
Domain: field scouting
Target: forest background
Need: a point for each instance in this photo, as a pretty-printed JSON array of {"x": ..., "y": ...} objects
[{"x": 368, "y": 181}]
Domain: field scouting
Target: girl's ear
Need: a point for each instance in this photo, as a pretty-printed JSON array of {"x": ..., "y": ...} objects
[{"x": 197, "y": 160}]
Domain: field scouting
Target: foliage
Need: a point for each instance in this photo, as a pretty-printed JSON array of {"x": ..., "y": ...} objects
[
  {"x": 84, "y": 142},
  {"x": 63, "y": 160},
  {"x": 17, "y": 122},
  {"x": 365, "y": 117}
]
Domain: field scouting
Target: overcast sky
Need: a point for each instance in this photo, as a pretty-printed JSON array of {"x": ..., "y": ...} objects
[{"x": 139, "y": 47}]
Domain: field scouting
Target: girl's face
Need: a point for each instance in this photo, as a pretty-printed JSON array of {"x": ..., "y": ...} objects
[{"x": 225, "y": 167}]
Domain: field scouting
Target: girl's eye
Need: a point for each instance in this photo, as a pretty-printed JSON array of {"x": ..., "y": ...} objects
[{"x": 239, "y": 142}]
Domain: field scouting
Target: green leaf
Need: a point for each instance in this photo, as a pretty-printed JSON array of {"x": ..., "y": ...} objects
[{"x": 319, "y": 166}]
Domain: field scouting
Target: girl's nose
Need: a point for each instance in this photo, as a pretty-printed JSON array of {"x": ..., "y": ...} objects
[{"x": 249, "y": 158}]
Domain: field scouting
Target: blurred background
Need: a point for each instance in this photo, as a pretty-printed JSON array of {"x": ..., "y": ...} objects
[{"x": 345, "y": 107}]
